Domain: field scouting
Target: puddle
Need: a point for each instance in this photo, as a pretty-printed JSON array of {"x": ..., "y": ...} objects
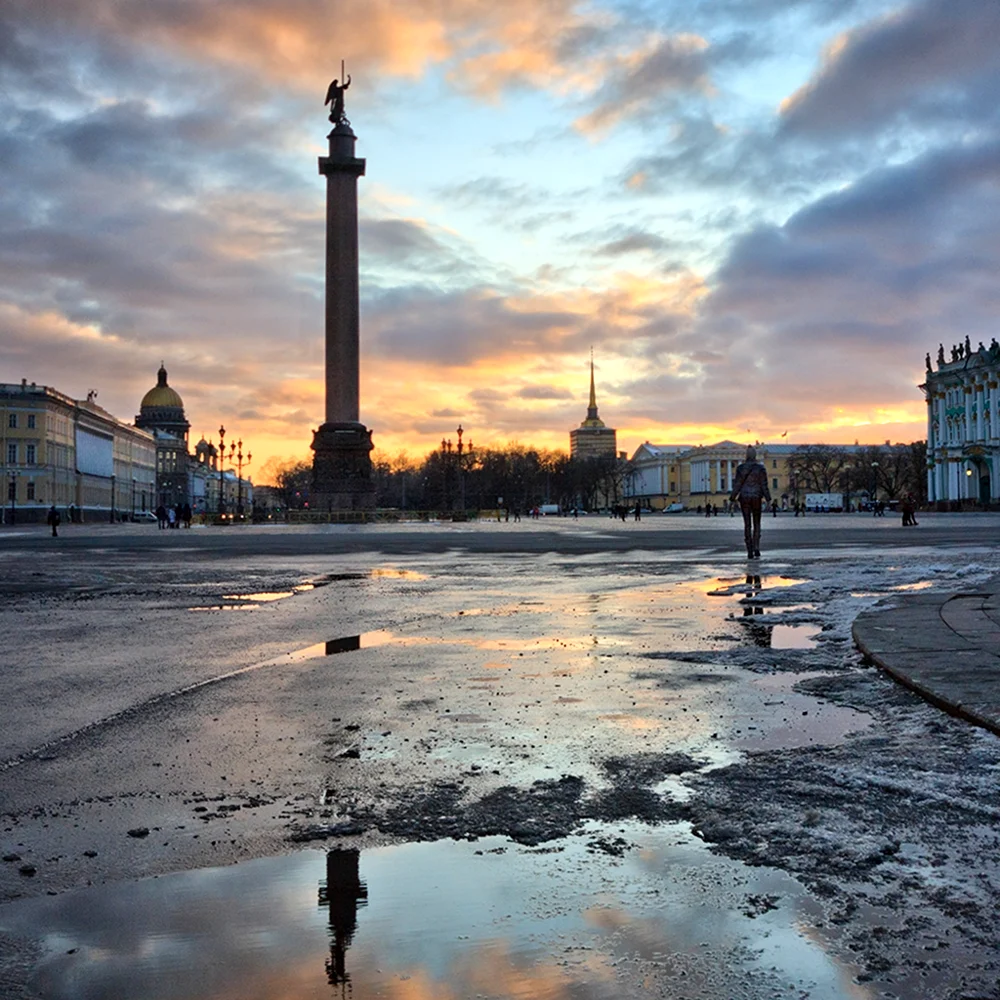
[
  {"x": 276, "y": 595},
  {"x": 793, "y": 636},
  {"x": 770, "y": 636},
  {"x": 921, "y": 585},
  {"x": 619, "y": 912},
  {"x": 750, "y": 584},
  {"x": 384, "y": 637},
  {"x": 396, "y": 574}
]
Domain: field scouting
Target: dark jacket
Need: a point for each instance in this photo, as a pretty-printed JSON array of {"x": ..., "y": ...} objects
[{"x": 751, "y": 482}]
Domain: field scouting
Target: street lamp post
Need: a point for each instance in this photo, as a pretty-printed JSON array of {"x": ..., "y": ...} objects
[
  {"x": 12, "y": 494},
  {"x": 457, "y": 455},
  {"x": 463, "y": 452},
  {"x": 222, "y": 463},
  {"x": 874, "y": 482},
  {"x": 239, "y": 474}
]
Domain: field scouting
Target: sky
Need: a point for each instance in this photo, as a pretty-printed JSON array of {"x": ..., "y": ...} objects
[{"x": 759, "y": 214}]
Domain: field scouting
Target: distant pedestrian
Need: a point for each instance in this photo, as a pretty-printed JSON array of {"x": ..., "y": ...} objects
[
  {"x": 161, "y": 517},
  {"x": 186, "y": 515},
  {"x": 750, "y": 488},
  {"x": 55, "y": 520},
  {"x": 909, "y": 510},
  {"x": 638, "y": 512},
  {"x": 171, "y": 517}
]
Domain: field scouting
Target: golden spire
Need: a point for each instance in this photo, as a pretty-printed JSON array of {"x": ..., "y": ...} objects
[{"x": 593, "y": 420}]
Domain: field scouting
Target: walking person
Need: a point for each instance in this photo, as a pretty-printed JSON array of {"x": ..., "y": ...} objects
[
  {"x": 161, "y": 517},
  {"x": 638, "y": 512},
  {"x": 750, "y": 488},
  {"x": 171, "y": 517},
  {"x": 55, "y": 520}
]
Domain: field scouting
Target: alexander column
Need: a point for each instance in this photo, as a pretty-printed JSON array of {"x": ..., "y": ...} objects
[{"x": 342, "y": 464}]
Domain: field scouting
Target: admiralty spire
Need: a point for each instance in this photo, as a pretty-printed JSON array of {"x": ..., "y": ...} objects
[{"x": 592, "y": 438}]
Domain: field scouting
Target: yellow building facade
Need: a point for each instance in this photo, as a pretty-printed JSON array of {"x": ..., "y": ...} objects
[
  {"x": 663, "y": 474},
  {"x": 55, "y": 450}
]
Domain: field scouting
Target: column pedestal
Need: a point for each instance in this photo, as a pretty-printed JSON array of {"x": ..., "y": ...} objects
[{"x": 342, "y": 468}]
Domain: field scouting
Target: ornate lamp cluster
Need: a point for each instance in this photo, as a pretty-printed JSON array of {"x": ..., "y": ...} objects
[{"x": 235, "y": 452}]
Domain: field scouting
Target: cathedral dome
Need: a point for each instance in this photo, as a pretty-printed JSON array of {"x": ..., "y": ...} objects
[{"x": 161, "y": 396}]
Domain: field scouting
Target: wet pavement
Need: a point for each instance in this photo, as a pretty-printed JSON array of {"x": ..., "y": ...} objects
[
  {"x": 554, "y": 774},
  {"x": 945, "y": 646}
]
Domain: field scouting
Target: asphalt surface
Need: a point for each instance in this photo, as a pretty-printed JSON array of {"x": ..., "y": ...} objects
[
  {"x": 176, "y": 700},
  {"x": 588, "y": 534}
]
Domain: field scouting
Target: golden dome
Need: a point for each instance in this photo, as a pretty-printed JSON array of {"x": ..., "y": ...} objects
[{"x": 161, "y": 396}]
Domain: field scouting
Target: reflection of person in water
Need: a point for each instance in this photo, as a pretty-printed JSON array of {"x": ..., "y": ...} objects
[
  {"x": 754, "y": 587},
  {"x": 343, "y": 894}
]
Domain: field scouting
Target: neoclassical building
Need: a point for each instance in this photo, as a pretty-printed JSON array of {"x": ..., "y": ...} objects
[
  {"x": 963, "y": 425},
  {"x": 71, "y": 453},
  {"x": 180, "y": 476}
]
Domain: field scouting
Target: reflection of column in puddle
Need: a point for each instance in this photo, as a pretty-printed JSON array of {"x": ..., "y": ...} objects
[
  {"x": 343, "y": 645},
  {"x": 343, "y": 894}
]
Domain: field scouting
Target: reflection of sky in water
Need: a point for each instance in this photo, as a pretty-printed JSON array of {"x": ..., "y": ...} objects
[
  {"x": 443, "y": 920},
  {"x": 793, "y": 636}
]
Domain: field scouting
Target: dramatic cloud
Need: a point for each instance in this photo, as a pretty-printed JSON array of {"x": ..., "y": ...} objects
[
  {"x": 637, "y": 82},
  {"x": 934, "y": 60},
  {"x": 758, "y": 213}
]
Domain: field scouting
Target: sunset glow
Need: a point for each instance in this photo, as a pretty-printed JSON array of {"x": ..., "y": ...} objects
[{"x": 760, "y": 216}]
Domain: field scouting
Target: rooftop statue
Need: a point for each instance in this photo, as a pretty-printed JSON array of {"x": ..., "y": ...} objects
[
  {"x": 927, "y": 362},
  {"x": 335, "y": 98},
  {"x": 940, "y": 357}
]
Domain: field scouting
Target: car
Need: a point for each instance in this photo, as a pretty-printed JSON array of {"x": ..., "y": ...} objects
[
  {"x": 674, "y": 508},
  {"x": 143, "y": 516}
]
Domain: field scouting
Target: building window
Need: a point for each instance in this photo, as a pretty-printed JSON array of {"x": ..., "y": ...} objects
[
  {"x": 29, "y": 454},
  {"x": 12, "y": 420},
  {"x": 774, "y": 483},
  {"x": 774, "y": 463},
  {"x": 673, "y": 487},
  {"x": 31, "y": 491},
  {"x": 12, "y": 490},
  {"x": 31, "y": 421},
  {"x": 12, "y": 453}
]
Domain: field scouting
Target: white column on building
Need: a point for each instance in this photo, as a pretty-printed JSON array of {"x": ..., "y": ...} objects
[
  {"x": 994, "y": 395},
  {"x": 980, "y": 398},
  {"x": 969, "y": 433},
  {"x": 718, "y": 476}
]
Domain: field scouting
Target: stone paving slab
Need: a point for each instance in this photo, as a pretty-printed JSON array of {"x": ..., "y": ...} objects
[{"x": 946, "y": 647}]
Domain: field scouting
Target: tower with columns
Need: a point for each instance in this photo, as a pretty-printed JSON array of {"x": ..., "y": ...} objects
[{"x": 342, "y": 445}]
